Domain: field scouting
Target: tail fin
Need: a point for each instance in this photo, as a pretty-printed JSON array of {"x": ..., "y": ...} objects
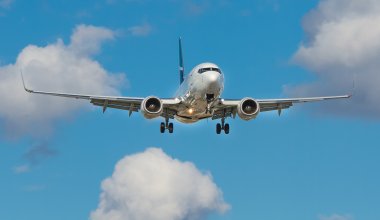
[{"x": 181, "y": 67}]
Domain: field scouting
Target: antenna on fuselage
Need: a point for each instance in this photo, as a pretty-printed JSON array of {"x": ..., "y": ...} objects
[{"x": 181, "y": 67}]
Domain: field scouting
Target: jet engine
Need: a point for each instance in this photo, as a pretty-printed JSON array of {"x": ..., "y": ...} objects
[
  {"x": 248, "y": 109},
  {"x": 151, "y": 107}
]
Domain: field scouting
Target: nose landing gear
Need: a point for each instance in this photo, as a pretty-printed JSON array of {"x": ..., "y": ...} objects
[
  {"x": 210, "y": 97},
  {"x": 223, "y": 126},
  {"x": 166, "y": 125}
]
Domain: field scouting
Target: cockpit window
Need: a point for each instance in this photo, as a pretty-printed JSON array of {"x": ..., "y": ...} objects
[{"x": 202, "y": 70}]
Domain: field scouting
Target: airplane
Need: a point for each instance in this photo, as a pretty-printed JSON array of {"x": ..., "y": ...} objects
[{"x": 198, "y": 98}]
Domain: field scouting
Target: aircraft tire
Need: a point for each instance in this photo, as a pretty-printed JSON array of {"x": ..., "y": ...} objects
[
  {"x": 218, "y": 128},
  {"x": 171, "y": 128},
  {"x": 227, "y": 128},
  {"x": 162, "y": 127}
]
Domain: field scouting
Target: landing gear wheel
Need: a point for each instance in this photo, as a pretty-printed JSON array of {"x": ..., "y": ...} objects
[
  {"x": 170, "y": 128},
  {"x": 227, "y": 128},
  {"x": 218, "y": 128},
  {"x": 162, "y": 127}
]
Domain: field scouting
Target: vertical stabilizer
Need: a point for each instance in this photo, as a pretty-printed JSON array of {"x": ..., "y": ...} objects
[{"x": 181, "y": 67}]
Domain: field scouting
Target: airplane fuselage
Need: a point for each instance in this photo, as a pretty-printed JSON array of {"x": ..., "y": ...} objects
[{"x": 199, "y": 91}]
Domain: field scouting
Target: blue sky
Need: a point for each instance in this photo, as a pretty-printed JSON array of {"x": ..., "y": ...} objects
[{"x": 310, "y": 163}]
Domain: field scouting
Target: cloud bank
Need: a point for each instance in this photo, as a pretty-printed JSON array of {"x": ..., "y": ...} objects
[
  {"x": 151, "y": 185},
  {"x": 21, "y": 169},
  {"x": 336, "y": 217},
  {"x": 142, "y": 30},
  {"x": 55, "y": 67},
  {"x": 343, "y": 41},
  {"x": 34, "y": 156},
  {"x": 6, "y": 3},
  {"x": 39, "y": 152}
]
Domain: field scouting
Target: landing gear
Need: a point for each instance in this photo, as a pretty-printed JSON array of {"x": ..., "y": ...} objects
[
  {"x": 227, "y": 128},
  {"x": 170, "y": 128},
  {"x": 223, "y": 126},
  {"x": 218, "y": 128},
  {"x": 166, "y": 125},
  {"x": 162, "y": 127}
]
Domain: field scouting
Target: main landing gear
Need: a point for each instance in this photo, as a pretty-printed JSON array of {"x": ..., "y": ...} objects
[
  {"x": 166, "y": 125},
  {"x": 223, "y": 126}
]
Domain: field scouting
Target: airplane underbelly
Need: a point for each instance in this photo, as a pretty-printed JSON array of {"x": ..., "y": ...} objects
[
  {"x": 192, "y": 119},
  {"x": 194, "y": 112},
  {"x": 186, "y": 120}
]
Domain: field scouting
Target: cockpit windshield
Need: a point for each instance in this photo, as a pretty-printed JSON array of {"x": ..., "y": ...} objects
[{"x": 202, "y": 70}]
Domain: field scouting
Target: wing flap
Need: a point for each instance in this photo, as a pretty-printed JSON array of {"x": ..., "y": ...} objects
[
  {"x": 123, "y": 105},
  {"x": 224, "y": 112},
  {"x": 264, "y": 107}
]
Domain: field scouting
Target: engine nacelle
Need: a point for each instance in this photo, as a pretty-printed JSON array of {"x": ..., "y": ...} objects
[
  {"x": 151, "y": 107},
  {"x": 248, "y": 109}
]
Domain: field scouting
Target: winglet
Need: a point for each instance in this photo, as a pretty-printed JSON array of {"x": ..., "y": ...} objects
[
  {"x": 181, "y": 67},
  {"x": 353, "y": 87},
  {"x": 23, "y": 83}
]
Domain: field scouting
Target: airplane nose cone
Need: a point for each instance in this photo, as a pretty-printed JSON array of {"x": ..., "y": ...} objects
[
  {"x": 212, "y": 82},
  {"x": 213, "y": 77}
]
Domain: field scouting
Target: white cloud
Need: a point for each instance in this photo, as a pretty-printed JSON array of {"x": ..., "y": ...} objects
[
  {"x": 196, "y": 8},
  {"x": 55, "y": 67},
  {"x": 124, "y": 1},
  {"x": 34, "y": 156},
  {"x": 6, "y": 3},
  {"x": 140, "y": 30},
  {"x": 87, "y": 40},
  {"x": 151, "y": 185},
  {"x": 39, "y": 152},
  {"x": 34, "y": 188},
  {"x": 336, "y": 217},
  {"x": 21, "y": 169},
  {"x": 343, "y": 41}
]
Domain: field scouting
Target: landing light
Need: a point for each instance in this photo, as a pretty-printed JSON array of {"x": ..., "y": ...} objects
[{"x": 190, "y": 110}]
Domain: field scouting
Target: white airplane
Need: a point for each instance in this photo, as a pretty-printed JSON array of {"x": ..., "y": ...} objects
[{"x": 198, "y": 97}]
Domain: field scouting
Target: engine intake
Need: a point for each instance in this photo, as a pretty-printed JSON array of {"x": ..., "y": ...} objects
[
  {"x": 151, "y": 107},
  {"x": 248, "y": 109}
]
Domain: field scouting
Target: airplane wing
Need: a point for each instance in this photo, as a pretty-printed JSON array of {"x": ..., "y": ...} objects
[
  {"x": 131, "y": 104},
  {"x": 228, "y": 107}
]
